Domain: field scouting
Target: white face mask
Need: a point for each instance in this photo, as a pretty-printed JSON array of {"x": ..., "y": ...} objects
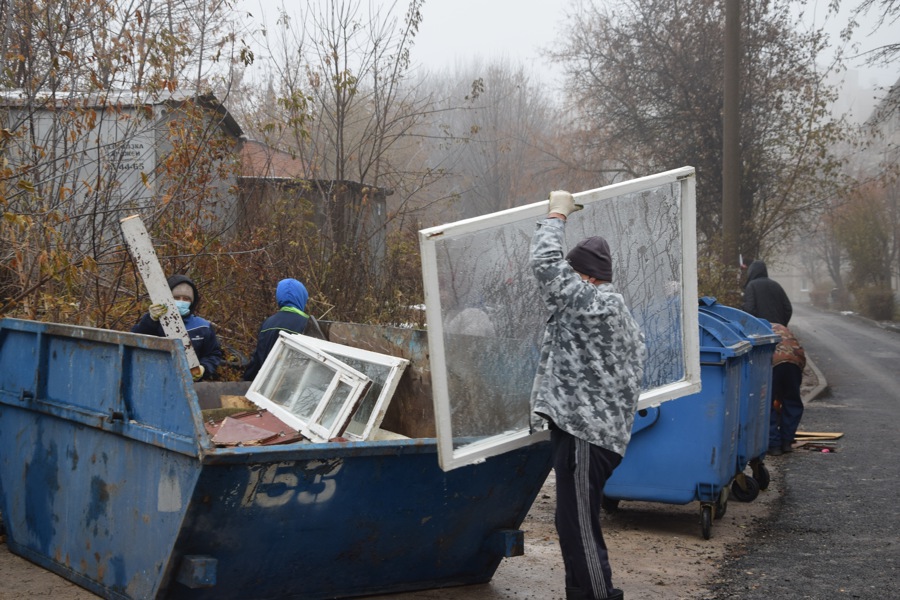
[{"x": 184, "y": 307}]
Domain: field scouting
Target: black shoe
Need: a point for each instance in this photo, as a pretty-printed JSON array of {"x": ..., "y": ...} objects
[
  {"x": 774, "y": 451},
  {"x": 574, "y": 593},
  {"x": 787, "y": 447}
]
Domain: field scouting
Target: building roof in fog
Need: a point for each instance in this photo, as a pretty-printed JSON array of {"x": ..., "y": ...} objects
[
  {"x": 263, "y": 161},
  {"x": 118, "y": 99},
  {"x": 888, "y": 108}
]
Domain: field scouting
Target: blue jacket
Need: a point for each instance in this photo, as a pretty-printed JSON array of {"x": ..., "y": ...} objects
[
  {"x": 203, "y": 339},
  {"x": 203, "y": 336},
  {"x": 291, "y": 296}
]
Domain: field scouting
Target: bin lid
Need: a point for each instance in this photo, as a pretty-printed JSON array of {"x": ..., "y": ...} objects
[
  {"x": 717, "y": 335},
  {"x": 755, "y": 330}
]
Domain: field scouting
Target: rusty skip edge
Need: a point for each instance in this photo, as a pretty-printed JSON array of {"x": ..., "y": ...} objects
[
  {"x": 202, "y": 448},
  {"x": 212, "y": 455}
]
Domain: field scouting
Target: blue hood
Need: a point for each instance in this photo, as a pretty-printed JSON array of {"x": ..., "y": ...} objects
[{"x": 291, "y": 292}]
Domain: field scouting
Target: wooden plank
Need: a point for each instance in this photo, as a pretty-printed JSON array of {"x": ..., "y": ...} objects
[
  {"x": 819, "y": 434},
  {"x": 141, "y": 248}
]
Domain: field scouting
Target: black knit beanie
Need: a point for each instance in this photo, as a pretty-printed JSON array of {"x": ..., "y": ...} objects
[{"x": 591, "y": 257}]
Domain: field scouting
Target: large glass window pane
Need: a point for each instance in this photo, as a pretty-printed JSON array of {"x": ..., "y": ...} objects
[
  {"x": 492, "y": 330},
  {"x": 643, "y": 230},
  {"x": 486, "y": 318}
]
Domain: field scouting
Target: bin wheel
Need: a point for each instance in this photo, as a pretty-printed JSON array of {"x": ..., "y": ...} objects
[
  {"x": 745, "y": 488},
  {"x": 706, "y": 520},
  {"x": 721, "y": 504},
  {"x": 761, "y": 475},
  {"x": 610, "y": 505}
]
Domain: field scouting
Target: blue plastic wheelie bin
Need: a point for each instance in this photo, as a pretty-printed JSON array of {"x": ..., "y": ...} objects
[
  {"x": 685, "y": 449},
  {"x": 756, "y": 396}
]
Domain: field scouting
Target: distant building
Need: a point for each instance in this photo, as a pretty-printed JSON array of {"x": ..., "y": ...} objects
[
  {"x": 793, "y": 276},
  {"x": 343, "y": 212},
  {"x": 883, "y": 127},
  {"x": 97, "y": 158}
]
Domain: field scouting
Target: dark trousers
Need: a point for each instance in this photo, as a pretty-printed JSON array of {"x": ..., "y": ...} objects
[
  {"x": 581, "y": 473},
  {"x": 783, "y": 424}
]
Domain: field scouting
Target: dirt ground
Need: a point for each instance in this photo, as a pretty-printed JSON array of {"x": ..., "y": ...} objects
[{"x": 657, "y": 550}]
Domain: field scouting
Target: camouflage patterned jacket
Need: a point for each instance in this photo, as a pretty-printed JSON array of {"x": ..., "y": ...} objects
[{"x": 592, "y": 354}]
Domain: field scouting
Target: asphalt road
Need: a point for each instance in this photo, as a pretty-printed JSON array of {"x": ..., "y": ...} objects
[{"x": 836, "y": 533}]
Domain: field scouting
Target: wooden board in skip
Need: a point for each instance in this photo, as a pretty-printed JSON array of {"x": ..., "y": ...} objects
[{"x": 141, "y": 248}]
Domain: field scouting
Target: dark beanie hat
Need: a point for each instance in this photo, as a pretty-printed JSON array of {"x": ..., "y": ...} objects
[{"x": 591, "y": 257}]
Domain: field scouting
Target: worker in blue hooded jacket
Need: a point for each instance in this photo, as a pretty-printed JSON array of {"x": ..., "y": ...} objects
[
  {"x": 291, "y": 296},
  {"x": 202, "y": 333}
]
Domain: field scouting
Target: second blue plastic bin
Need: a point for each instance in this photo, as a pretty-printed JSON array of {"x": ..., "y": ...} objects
[{"x": 686, "y": 449}]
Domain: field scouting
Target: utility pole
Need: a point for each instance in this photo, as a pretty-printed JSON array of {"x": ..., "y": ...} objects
[{"x": 731, "y": 132}]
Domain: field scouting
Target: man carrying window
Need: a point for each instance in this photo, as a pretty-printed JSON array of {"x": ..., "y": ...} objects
[{"x": 587, "y": 388}]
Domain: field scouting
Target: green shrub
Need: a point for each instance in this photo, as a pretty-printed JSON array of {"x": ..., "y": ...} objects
[
  {"x": 820, "y": 297},
  {"x": 876, "y": 302}
]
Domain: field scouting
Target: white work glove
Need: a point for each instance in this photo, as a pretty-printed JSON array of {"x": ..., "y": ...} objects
[
  {"x": 198, "y": 372},
  {"x": 563, "y": 203},
  {"x": 157, "y": 310}
]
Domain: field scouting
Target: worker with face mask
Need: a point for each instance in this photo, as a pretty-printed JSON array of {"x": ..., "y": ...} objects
[{"x": 202, "y": 334}]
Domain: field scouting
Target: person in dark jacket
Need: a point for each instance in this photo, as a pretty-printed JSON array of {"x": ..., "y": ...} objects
[
  {"x": 291, "y": 296},
  {"x": 764, "y": 298},
  {"x": 202, "y": 334}
]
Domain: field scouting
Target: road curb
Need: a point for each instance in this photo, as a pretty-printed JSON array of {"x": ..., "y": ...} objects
[
  {"x": 820, "y": 386},
  {"x": 886, "y": 325}
]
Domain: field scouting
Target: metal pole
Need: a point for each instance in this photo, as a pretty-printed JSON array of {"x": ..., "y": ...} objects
[{"x": 731, "y": 131}]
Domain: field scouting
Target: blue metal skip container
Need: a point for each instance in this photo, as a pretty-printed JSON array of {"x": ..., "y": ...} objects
[
  {"x": 108, "y": 478},
  {"x": 756, "y": 384},
  {"x": 685, "y": 449}
]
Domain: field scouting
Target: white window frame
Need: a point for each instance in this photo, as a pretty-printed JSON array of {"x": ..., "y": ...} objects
[
  {"x": 343, "y": 373},
  {"x": 451, "y": 458},
  {"x": 395, "y": 365}
]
